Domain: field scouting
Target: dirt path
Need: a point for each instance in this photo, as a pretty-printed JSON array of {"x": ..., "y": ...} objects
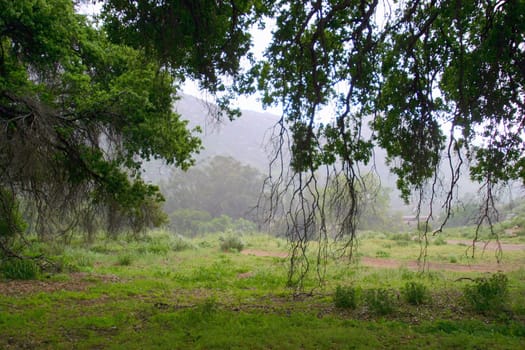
[
  {"x": 412, "y": 265},
  {"x": 492, "y": 245}
]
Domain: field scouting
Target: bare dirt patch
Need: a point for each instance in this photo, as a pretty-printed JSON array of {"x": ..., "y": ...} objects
[
  {"x": 77, "y": 282},
  {"x": 491, "y": 245}
]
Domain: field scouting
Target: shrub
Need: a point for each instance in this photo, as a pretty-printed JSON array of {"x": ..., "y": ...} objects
[
  {"x": 61, "y": 264},
  {"x": 11, "y": 220},
  {"x": 158, "y": 248},
  {"x": 180, "y": 243},
  {"x": 440, "y": 241},
  {"x": 487, "y": 294},
  {"x": 345, "y": 297},
  {"x": 231, "y": 242},
  {"x": 382, "y": 254},
  {"x": 424, "y": 226},
  {"x": 124, "y": 260},
  {"x": 20, "y": 269},
  {"x": 380, "y": 301},
  {"x": 415, "y": 293},
  {"x": 400, "y": 237}
]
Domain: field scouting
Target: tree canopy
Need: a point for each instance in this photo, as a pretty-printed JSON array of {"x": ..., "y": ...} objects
[
  {"x": 441, "y": 81},
  {"x": 78, "y": 113}
]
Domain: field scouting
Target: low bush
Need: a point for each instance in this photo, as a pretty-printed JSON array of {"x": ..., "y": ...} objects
[
  {"x": 380, "y": 301},
  {"x": 19, "y": 269},
  {"x": 158, "y": 247},
  {"x": 345, "y": 297},
  {"x": 439, "y": 241},
  {"x": 488, "y": 294},
  {"x": 231, "y": 242},
  {"x": 400, "y": 237},
  {"x": 180, "y": 243},
  {"x": 382, "y": 254},
  {"x": 124, "y": 260},
  {"x": 415, "y": 293}
]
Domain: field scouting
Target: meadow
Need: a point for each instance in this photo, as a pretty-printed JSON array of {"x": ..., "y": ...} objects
[{"x": 216, "y": 292}]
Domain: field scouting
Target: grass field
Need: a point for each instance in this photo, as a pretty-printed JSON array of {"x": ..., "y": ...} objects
[{"x": 167, "y": 292}]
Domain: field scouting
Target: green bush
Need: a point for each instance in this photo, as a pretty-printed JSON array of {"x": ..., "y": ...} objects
[
  {"x": 231, "y": 242},
  {"x": 11, "y": 220},
  {"x": 125, "y": 260},
  {"x": 440, "y": 241},
  {"x": 180, "y": 243},
  {"x": 157, "y": 247},
  {"x": 345, "y": 297},
  {"x": 415, "y": 293},
  {"x": 400, "y": 237},
  {"x": 382, "y": 254},
  {"x": 424, "y": 226},
  {"x": 62, "y": 263},
  {"x": 487, "y": 294},
  {"x": 20, "y": 269},
  {"x": 380, "y": 301}
]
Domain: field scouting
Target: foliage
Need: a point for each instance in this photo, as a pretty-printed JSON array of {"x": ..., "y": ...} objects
[
  {"x": 125, "y": 259},
  {"x": 382, "y": 254},
  {"x": 488, "y": 294},
  {"x": 201, "y": 40},
  {"x": 415, "y": 293},
  {"x": 345, "y": 297},
  {"x": 465, "y": 213},
  {"x": 439, "y": 241},
  {"x": 231, "y": 242},
  {"x": 19, "y": 269},
  {"x": 191, "y": 222},
  {"x": 388, "y": 68},
  {"x": 180, "y": 243},
  {"x": 220, "y": 186},
  {"x": 79, "y": 115},
  {"x": 380, "y": 301},
  {"x": 11, "y": 222}
]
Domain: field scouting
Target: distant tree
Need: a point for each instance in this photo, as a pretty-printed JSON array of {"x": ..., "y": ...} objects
[
  {"x": 220, "y": 186},
  {"x": 188, "y": 221},
  {"x": 465, "y": 213}
]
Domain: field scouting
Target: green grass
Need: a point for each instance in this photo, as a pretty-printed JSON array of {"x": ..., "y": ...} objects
[{"x": 199, "y": 297}]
